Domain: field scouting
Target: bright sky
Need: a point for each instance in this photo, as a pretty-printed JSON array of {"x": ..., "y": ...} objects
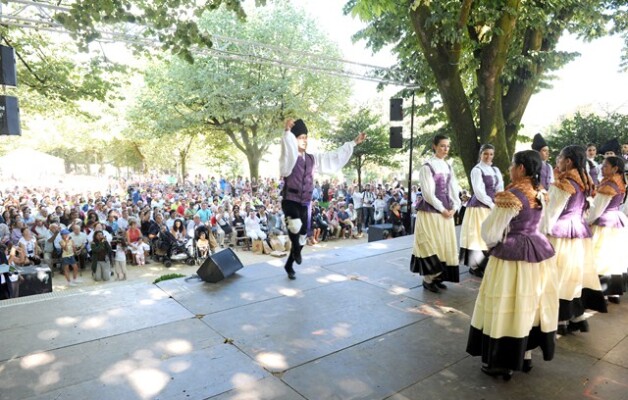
[{"x": 592, "y": 82}]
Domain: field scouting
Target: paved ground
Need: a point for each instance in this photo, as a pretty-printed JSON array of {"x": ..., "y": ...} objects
[{"x": 354, "y": 325}]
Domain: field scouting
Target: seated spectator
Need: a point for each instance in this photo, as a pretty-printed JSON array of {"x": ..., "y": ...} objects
[
  {"x": 396, "y": 219},
  {"x": 29, "y": 250},
  {"x": 135, "y": 243},
  {"x": 178, "y": 230},
  {"x": 5, "y": 234},
  {"x": 344, "y": 219},
  {"x": 16, "y": 231},
  {"x": 253, "y": 227},
  {"x": 333, "y": 223},
  {"x": 223, "y": 222}
]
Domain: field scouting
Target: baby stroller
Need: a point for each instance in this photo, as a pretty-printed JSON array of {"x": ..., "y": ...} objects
[{"x": 169, "y": 249}]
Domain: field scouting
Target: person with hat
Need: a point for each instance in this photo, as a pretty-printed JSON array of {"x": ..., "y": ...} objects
[
  {"x": 611, "y": 148},
  {"x": 547, "y": 173},
  {"x": 297, "y": 169}
]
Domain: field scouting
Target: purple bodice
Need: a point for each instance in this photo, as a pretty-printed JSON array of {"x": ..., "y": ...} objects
[
  {"x": 571, "y": 223},
  {"x": 593, "y": 173},
  {"x": 490, "y": 187},
  {"x": 524, "y": 242},
  {"x": 613, "y": 217},
  {"x": 546, "y": 173},
  {"x": 441, "y": 184},
  {"x": 299, "y": 185}
]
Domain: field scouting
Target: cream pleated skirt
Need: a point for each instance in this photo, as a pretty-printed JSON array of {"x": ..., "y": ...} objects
[
  {"x": 435, "y": 235},
  {"x": 470, "y": 231}
]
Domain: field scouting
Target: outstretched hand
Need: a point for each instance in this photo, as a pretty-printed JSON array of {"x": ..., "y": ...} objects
[
  {"x": 361, "y": 138},
  {"x": 289, "y": 124}
]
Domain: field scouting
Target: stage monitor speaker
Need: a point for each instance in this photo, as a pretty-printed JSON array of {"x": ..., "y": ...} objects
[
  {"x": 219, "y": 266},
  {"x": 9, "y": 116},
  {"x": 8, "y": 77},
  {"x": 396, "y": 140},
  {"x": 396, "y": 109}
]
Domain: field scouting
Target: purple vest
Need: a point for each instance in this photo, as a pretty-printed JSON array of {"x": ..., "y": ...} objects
[
  {"x": 571, "y": 224},
  {"x": 593, "y": 173},
  {"x": 441, "y": 192},
  {"x": 524, "y": 242},
  {"x": 612, "y": 217},
  {"x": 299, "y": 185},
  {"x": 546, "y": 173},
  {"x": 490, "y": 187}
]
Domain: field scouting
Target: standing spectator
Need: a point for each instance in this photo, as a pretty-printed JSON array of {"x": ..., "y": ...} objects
[
  {"x": 379, "y": 205},
  {"x": 368, "y": 212},
  {"x": 68, "y": 259}
]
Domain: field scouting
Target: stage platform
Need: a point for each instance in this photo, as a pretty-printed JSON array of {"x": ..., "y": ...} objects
[{"x": 355, "y": 324}]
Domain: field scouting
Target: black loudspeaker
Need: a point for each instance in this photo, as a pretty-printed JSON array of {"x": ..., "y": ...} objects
[
  {"x": 36, "y": 280},
  {"x": 219, "y": 266},
  {"x": 9, "y": 116},
  {"x": 8, "y": 77},
  {"x": 379, "y": 232},
  {"x": 396, "y": 140},
  {"x": 396, "y": 109}
]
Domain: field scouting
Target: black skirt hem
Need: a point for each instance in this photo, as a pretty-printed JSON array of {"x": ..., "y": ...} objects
[
  {"x": 433, "y": 266},
  {"x": 508, "y": 352}
]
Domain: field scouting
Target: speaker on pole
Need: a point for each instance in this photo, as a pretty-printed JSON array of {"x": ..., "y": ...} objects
[
  {"x": 219, "y": 266},
  {"x": 396, "y": 109},
  {"x": 396, "y": 140},
  {"x": 8, "y": 76},
  {"x": 9, "y": 116}
]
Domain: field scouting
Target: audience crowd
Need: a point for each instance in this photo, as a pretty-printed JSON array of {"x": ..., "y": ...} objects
[{"x": 101, "y": 230}]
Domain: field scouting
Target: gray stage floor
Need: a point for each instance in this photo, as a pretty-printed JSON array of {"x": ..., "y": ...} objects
[{"x": 355, "y": 325}]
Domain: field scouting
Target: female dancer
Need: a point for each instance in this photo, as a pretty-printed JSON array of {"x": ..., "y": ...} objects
[
  {"x": 435, "y": 247},
  {"x": 486, "y": 180},
  {"x": 610, "y": 229},
  {"x": 578, "y": 283},
  {"x": 517, "y": 305},
  {"x": 547, "y": 174}
]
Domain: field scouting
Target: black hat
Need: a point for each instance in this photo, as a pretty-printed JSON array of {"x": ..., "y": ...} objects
[
  {"x": 299, "y": 128},
  {"x": 611, "y": 145},
  {"x": 538, "y": 142}
]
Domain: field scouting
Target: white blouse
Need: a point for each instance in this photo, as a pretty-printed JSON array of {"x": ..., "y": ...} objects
[
  {"x": 324, "y": 163},
  {"x": 558, "y": 199},
  {"x": 600, "y": 202},
  {"x": 479, "y": 190},
  {"x": 428, "y": 186},
  {"x": 495, "y": 226}
]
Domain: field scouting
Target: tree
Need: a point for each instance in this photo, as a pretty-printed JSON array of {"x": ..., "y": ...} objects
[
  {"x": 375, "y": 151},
  {"x": 588, "y": 128},
  {"x": 244, "y": 101},
  {"x": 172, "y": 22},
  {"x": 477, "y": 64}
]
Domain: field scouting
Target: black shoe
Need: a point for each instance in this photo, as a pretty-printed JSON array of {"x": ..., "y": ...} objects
[
  {"x": 582, "y": 326},
  {"x": 431, "y": 287},
  {"x": 613, "y": 299},
  {"x": 562, "y": 330},
  {"x": 527, "y": 366},
  {"x": 290, "y": 272},
  {"x": 476, "y": 272},
  {"x": 439, "y": 284},
  {"x": 504, "y": 373}
]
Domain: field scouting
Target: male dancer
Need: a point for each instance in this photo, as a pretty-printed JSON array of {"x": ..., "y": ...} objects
[{"x": 297, "y": 169}]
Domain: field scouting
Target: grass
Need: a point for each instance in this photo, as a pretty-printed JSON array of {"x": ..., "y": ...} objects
[{"x": 168, "y": 277}]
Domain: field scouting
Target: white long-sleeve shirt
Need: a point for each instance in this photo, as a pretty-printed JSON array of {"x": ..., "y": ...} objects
[
  {"x": 428, "y": 186},
  {"x": 324, "y": 163},
  {"x": 479, "y": 189},
  {"x": 600, "y": 203}
]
